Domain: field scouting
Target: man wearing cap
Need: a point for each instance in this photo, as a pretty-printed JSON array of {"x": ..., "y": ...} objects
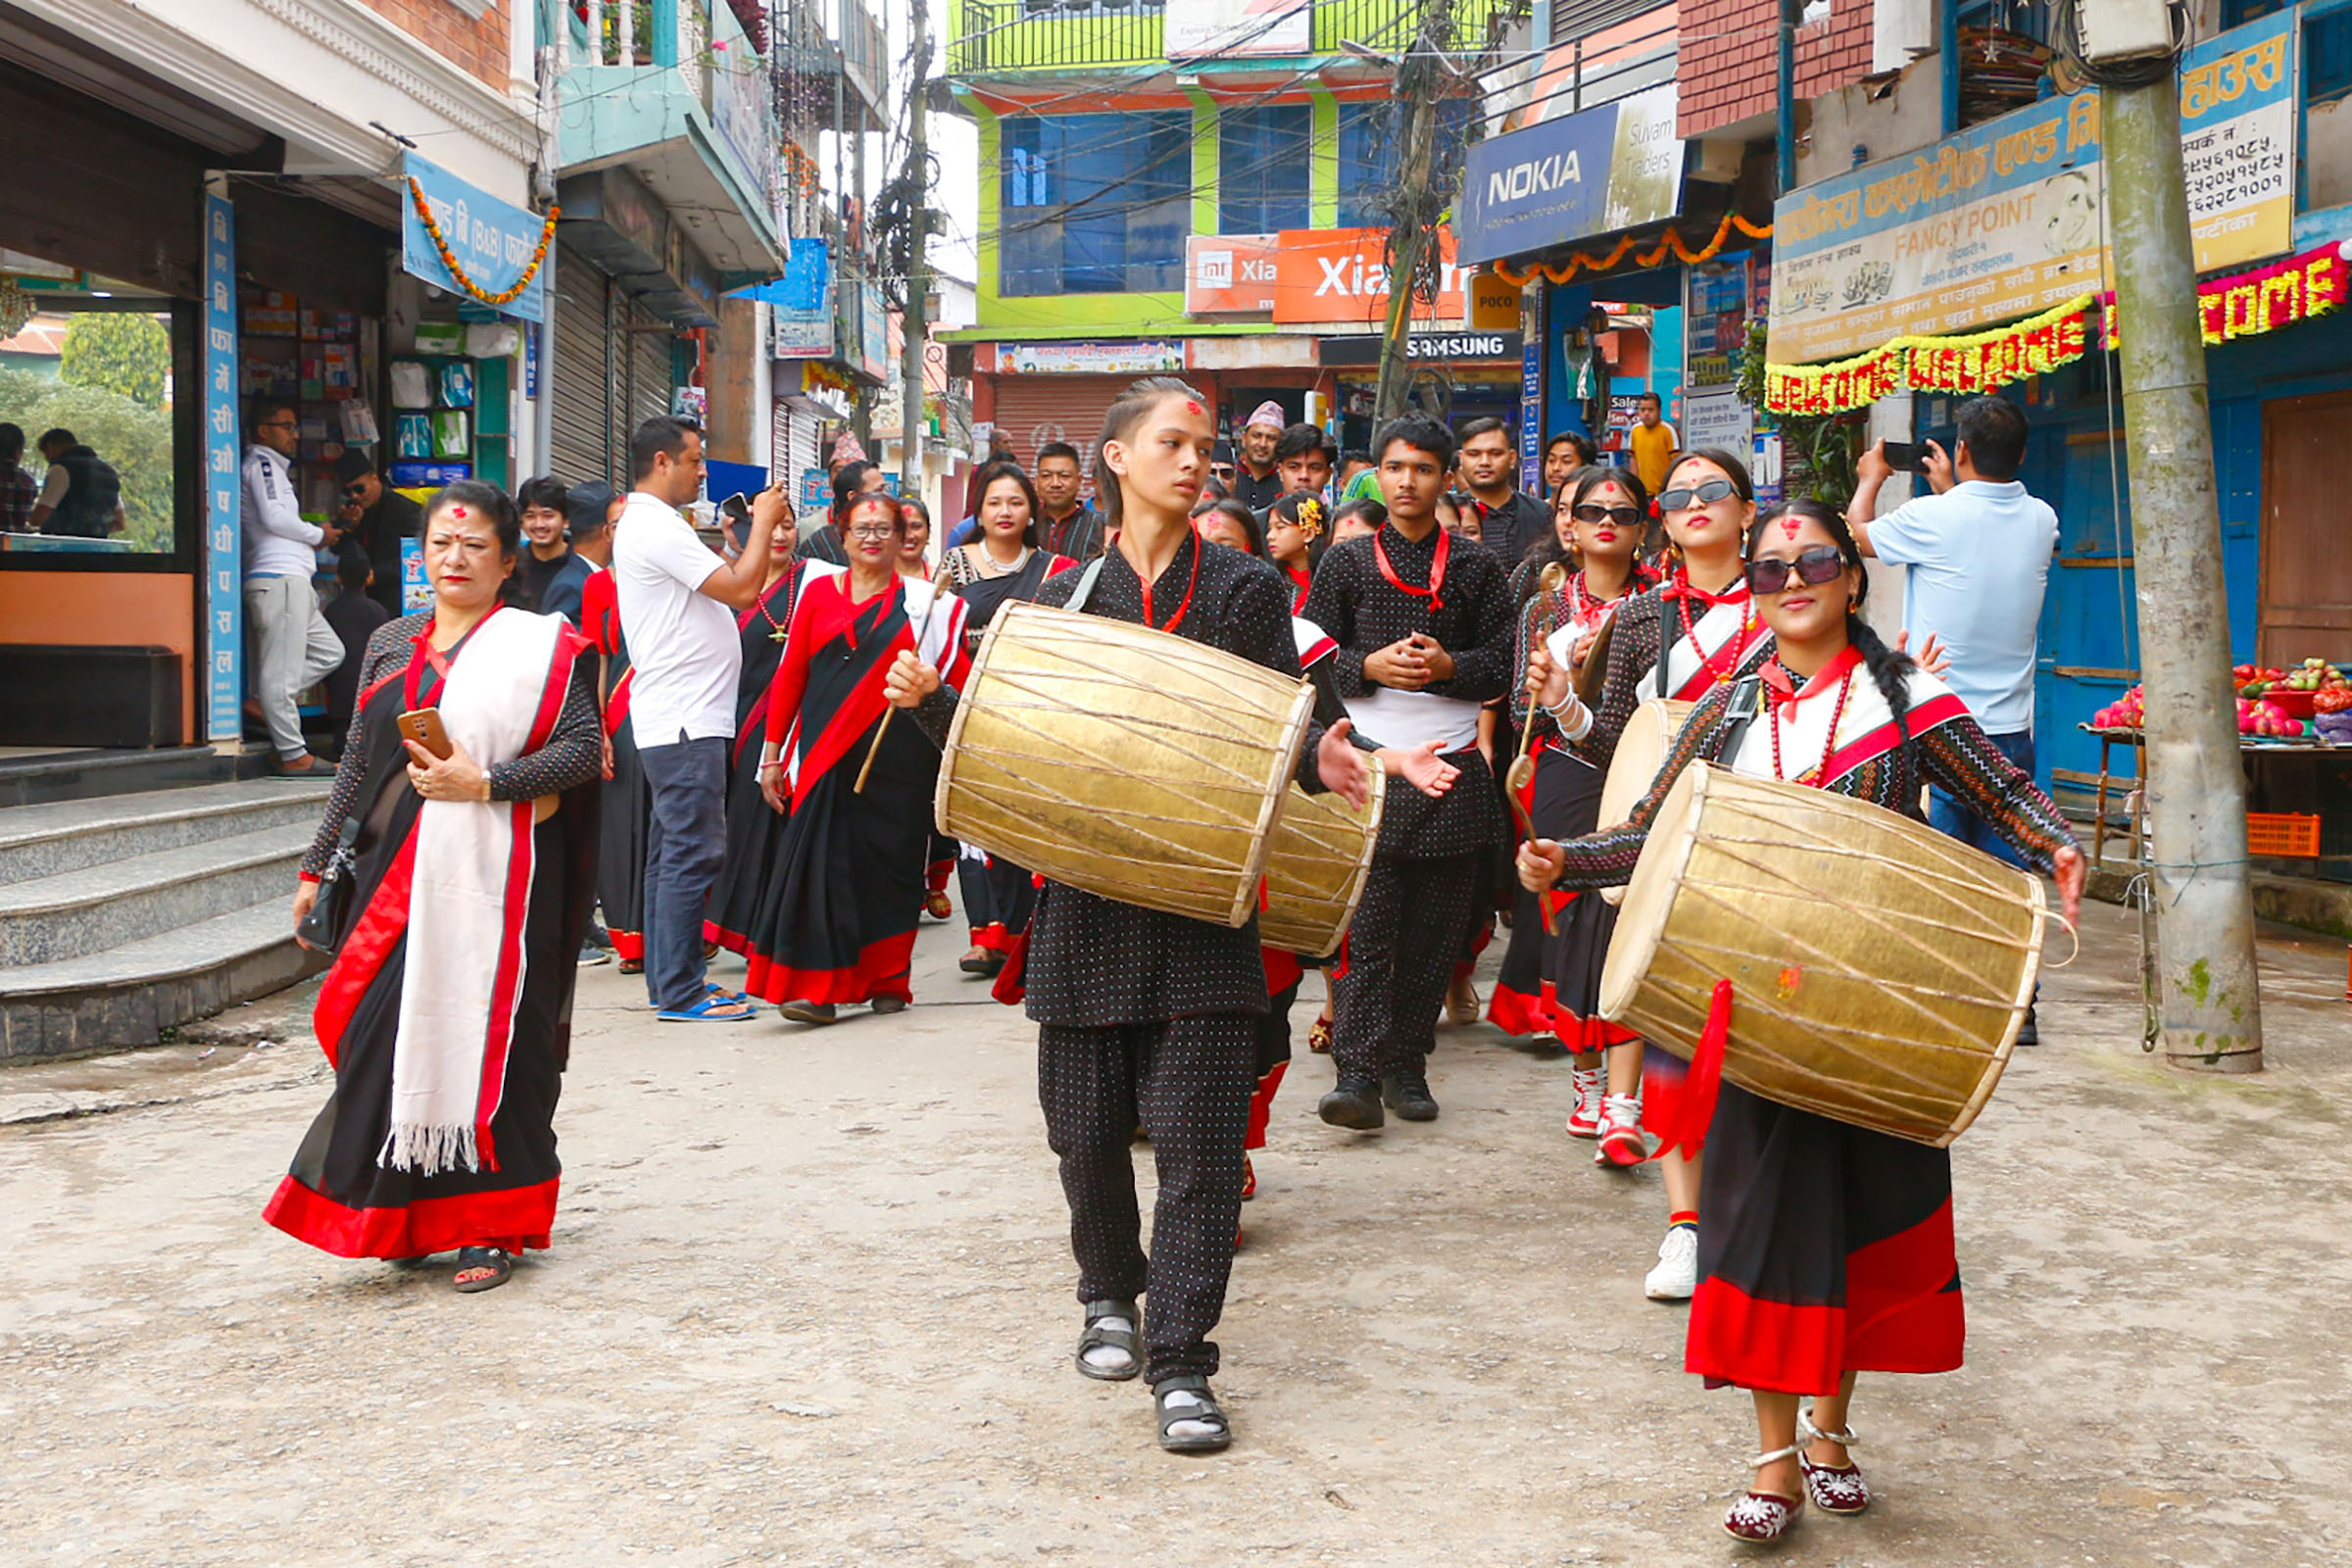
[
  {"x": 379, "y": 517},
  {"x": 1258, "y": 483}
]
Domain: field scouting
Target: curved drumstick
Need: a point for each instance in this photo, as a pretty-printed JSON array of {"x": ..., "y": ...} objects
[
  {"x": 939, "y": 586},
  {"x": 1523, "y": 767}
]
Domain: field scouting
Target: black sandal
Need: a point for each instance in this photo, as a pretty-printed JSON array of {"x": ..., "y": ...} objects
[
  {"x": 1207, "y": 1411},
  {"x": 1095, "y": 1336},
  {"x": 494, "y": 1258}
]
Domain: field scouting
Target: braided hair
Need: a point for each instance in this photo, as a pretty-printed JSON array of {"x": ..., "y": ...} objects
[{"x": 1888, "y": 669}]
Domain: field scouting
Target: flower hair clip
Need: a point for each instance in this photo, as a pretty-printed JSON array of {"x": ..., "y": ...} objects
[{"x": 1310, "y": 518}]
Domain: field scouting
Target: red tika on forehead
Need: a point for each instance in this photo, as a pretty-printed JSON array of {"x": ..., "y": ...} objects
[
  {"x": 457, "y": 513},
  {"x": 1789, "y": 526},
  {"x": 1190, "y": 407}
]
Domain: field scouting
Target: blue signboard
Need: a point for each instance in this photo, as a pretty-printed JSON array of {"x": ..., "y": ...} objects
[
  {"x": 1616, "y": 166},
  {"x": 415, "y": 589},
  {"x": 495, "y": 242},
  {"x": 1531, "y": 415},
  {"x": 223, "y": 605}
]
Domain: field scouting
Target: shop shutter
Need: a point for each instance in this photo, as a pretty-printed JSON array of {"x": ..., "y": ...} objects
[
  {"x": 1033, "y": 410},
  {"x": 584, "y": 375},
  {"x": 651, "y": 387},
  {"x": 1572, "y": 19}
]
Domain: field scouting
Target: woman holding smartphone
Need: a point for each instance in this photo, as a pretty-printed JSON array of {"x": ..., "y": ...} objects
[{"x": 463, "y": 831}]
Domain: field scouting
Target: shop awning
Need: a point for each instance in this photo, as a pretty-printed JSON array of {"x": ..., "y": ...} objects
[{"x": 462, "y": 238}]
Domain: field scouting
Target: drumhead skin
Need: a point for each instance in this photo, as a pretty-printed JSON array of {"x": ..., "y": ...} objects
[
  {"x": 1642, "y": 748},
  {"x": 1129, "y": 762},
  {"x": 1316, "y": 867},
  {"x": 1879, "y": 970}
]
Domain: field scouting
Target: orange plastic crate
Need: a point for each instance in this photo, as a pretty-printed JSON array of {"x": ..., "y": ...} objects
[{"x": 2282, "y": 833}]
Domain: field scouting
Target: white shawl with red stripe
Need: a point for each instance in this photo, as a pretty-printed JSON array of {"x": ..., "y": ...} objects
[{"x": 468, "y": 888}]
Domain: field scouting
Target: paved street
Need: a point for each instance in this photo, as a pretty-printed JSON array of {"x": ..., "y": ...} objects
[{"x": 810, "y": 1303}]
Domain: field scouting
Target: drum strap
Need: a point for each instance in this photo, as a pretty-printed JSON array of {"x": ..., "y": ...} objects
[
  {"x": 1747, "y": 703},
  {"x": 1076, "y": 603}
]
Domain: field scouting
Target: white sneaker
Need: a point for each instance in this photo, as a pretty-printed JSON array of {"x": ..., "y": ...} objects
[
  {"x": 1677, "y": 1275},
  {"x": 1585, "y": 1120}
]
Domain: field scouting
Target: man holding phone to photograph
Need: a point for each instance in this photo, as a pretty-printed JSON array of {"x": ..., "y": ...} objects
[
  {"x": 678, "y": 602},
  {"x": 1978, "y": 547}
]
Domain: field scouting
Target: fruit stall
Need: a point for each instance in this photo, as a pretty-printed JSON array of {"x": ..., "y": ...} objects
[{"x": 2294, "y": 727}]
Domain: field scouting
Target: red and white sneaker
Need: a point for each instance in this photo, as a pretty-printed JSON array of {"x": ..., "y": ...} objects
[
  {"x": 1622, "y": 1145},
  {"x": 1585, "y": 1120},
  {"x": 1833, "y": 1489},
  {"x": 1762, "y": 1516}
]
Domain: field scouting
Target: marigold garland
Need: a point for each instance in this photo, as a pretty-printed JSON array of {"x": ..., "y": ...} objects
[
  {"x": 1977, "y": 362},
  {"x": 449, "y": 258},
  {"x": 2265, "y": 299},
  {"x": 1672, "y": 240}
]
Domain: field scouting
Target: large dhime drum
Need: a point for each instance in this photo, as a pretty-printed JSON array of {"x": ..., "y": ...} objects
[
  {"x": 1316, "y": 866},
  {"x": 1879, "y": 970},
  {"x": 1642, "y": 748},
  {"x": 1126, "y": 762}
]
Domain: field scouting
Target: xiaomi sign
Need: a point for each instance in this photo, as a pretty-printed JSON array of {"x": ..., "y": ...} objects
[
  {"x": 1228, "y": 275},
  {"x": 1341, "y": 275}
]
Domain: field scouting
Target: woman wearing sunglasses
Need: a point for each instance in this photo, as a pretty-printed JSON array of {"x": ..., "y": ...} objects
[
  {"x": 1601, "y": 515},
  {"x": 1693, "y": 634},
  {"x": 1829, "y": 1248}
]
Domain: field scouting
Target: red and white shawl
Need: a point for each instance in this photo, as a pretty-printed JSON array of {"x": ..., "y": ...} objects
[{"x": 470, "y": 885}]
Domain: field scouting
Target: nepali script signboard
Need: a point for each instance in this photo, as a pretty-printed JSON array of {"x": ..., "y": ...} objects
[{"x": 2007, "y": 218}]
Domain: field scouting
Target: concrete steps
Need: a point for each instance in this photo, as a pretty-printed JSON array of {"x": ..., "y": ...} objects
[{"x": 122, "y": 917}]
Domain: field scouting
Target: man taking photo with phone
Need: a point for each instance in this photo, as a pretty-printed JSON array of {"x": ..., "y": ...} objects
[{"x": 1978, "y": 547}]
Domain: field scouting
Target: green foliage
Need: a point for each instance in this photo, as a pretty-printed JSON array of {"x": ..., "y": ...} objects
[
  {"x": 133, "y": 436},
  {"x": 1818, "y": 450},
  {"x": 118, "y": 351}
]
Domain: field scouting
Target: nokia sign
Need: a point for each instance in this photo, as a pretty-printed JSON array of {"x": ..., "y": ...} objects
[{"x": 1577, "y": 178}]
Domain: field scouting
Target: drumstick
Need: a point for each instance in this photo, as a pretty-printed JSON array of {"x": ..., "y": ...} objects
[
  {"x": 1523, "y": 767},
  {"x": 939, "y": 585}
]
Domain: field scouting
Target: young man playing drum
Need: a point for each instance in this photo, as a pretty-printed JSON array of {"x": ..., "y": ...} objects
[
  {"x": 1424, "y": 632},
  {"x": 1827, "y": 1248},
  {"x": 1147, "y": 1016}
]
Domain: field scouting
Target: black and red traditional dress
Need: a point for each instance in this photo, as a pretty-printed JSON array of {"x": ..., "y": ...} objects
[
  {"x": 1152, "y": 1019},
  {"x": 1300, "y": 581},
  {"x": 447, "y": 1014},
  {"x": 1826, "y": 1247},
  {"x": 997, "y": 895},
  {"x": 1549, "y": 983},
  {"x": 628, "y": 799},
  {"x": 836, "y": 922},
  {"x": 754, "y": 830},
  {"x": 1432, "y": 875},
  {"x": 1676, "y": 641}
]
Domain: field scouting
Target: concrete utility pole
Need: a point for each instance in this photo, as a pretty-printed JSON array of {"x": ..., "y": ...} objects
[
  {"x": 2196, "y": 793},
  {"x": 918, "y": 275},
  {"x": 1420, "y": 80}
]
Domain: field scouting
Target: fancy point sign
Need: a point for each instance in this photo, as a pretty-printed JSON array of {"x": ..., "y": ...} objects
[{"x": 1341, "y": 275}]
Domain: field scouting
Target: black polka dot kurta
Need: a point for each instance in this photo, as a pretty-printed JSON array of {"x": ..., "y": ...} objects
[{"x": 1151, "y": 1019}]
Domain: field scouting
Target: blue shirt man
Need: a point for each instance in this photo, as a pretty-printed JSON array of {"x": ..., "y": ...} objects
[{"x": 1978, "y": 547}]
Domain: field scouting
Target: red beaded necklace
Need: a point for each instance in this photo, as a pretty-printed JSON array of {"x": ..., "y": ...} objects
[
  {"x": 1788, "y": 697},
  {"x": 1731, "y": 645}
]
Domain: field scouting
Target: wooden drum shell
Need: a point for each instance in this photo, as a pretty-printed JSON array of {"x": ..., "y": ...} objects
[
  {"x": 1128, "y": 762},
  {"x": 1316, "y": 868},
  {"x": 1879, "y": 970},
  {"x": 1642, "y": 748}
]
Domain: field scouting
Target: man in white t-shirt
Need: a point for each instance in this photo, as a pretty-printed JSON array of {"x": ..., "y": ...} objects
[{"x": 677, "y": 602}]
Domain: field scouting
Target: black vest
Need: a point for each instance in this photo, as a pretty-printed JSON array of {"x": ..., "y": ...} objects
[{"x": 93, "y": 492}]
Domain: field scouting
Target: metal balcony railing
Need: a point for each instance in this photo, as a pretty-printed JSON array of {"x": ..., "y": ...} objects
[{"x": 1003, "y": 35}]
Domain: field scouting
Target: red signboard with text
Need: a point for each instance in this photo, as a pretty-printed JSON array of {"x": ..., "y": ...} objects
[{"x": 1341, "y": 275}]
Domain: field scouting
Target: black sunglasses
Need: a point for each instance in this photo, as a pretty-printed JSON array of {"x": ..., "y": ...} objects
[
  {"x": 1704, "y": 495},
  {"x": 1623, "y": 516},
  {"x": 1815, "y": 567}
]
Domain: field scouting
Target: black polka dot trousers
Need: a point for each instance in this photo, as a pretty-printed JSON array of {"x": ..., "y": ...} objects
[
  {"x": 1188, "y": 1082},
  {"x": 1401, "y": 953}
]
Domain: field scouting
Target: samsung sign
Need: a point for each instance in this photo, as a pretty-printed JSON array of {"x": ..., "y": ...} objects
[
  {"x": 1613, "y": 167},
  {"x": 1364, "y": 348}
]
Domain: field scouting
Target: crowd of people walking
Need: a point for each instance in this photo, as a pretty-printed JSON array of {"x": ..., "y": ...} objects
[{"x": 739, "y": 749}]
